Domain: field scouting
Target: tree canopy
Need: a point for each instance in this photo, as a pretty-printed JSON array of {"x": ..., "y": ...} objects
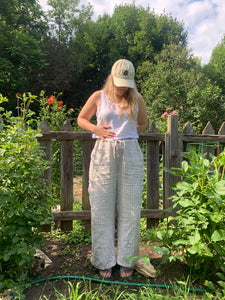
[
  {"x": 176, "y": 80},
  {"x": 64, "y": 50}
]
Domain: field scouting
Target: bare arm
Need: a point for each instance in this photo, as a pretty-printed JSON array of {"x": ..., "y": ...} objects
[
  {"x": 142, "y": 119},
  {"x": 87, "y": 113}
]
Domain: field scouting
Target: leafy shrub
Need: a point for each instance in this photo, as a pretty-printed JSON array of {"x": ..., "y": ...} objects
[
  {"x": 53, "y": 110},
  {"x": 196, "y": 235},
  {"x": 25, "y": 202}
]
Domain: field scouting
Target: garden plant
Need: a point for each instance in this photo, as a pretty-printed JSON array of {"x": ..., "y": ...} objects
[
  {"x": 25, "y": 202},
  {"x": 196, "y": 235}
]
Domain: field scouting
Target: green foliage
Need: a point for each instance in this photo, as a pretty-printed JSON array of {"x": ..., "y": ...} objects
[
  {"x": 22, "y": 28},
  {"x": 66, "y": 17},
  {"x": 215, "y": 68},
  {"x": 175, "y": 79},
  {"x": 25, "y": 202},
  {"x": 196, "y": 235},
  {"x": 53, "y": 110},
  {"x": 77, "y": 236},
  {"x": 132, "y": 32}
]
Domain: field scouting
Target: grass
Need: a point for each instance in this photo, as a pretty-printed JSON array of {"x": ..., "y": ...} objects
[{"x": 84, "y": 290}]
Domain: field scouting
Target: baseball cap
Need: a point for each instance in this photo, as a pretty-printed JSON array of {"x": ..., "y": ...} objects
[{"x": 123, "y": 73}]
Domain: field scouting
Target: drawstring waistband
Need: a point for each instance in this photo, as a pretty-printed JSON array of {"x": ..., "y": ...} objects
[{"x": 116, "y": 144}]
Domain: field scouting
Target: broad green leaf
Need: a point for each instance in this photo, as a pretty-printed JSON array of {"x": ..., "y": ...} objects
[
  {"x": 6, "y": 256},
  {"x": 209, "y": 284},
  {"x": 186, "y": 203},
  {"x": 160, "y": 250},
  {"x": 221, "y": 276},
  {"x": 146, "y": 259},
  {"x": 183, "y": 185},
  {"x": 206, "y": 162},
  {"x": 218, "y": 200},
  {"x": 195, "y": 238},
  {"x": 218, "y": 235},
  {"x": 195, "y": 185},
  {"x": 221, "y": 283},
  {"x": 216, "y": 217},
  {"x": 207, "y": 252},
  {"x": 160, "y": 235},
  {"x": 220, "y": 187},
  {"x": 196, "y": 249},
  {"x": 130, "y": 259},
  {"x": 181, "y": 242},
  {"x": 185, "y": 166}
]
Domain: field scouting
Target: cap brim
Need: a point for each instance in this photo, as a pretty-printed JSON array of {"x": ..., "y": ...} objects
[{"x": 121, "y": 82}]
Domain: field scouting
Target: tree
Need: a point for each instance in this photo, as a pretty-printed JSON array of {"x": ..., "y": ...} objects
[
  {"x": 215, "y": 69},
  {"x": 130, "y": 33},
  {"x": 22, "y": 28},
  {"x": 176, "y": 80},
  {"x": 58, "y": 74},
  {"x": 155, "y": 32},
  {"x": 66, "y": 18}
]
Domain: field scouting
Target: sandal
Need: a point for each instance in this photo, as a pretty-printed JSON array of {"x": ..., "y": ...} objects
[
  {"x": 106, "y": 273},
  {"x": 126, "y": 272}
]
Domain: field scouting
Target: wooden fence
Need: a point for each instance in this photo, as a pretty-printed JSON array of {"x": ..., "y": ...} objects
[{"x": 172, "y": 144}]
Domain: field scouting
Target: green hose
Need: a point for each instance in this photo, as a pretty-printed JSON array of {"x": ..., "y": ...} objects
[{"x": 119, "y": 283}]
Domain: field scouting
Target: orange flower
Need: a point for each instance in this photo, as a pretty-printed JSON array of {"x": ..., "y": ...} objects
[{"x": 51, "y": 100}]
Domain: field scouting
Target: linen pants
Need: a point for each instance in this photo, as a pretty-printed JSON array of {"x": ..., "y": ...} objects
[{"x": 115, "y": 186}]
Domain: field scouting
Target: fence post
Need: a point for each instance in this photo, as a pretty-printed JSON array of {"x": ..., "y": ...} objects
[
  {"x": 208, "y": 149},
  {"x": 87, "y": 149},
  {"x": 173, "y": 149},
  {"x": 152, "y": 158},
  {"x": 67, "y": 177},
  {"x": 222, "y": 132},
  {"x": 45, "y": 144}
]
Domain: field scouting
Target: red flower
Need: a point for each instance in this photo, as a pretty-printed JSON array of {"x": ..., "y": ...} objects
[
  {"x": 61, "y": 103},
  {"x": 51, "y": 100},
  {"x": 59, "y": 107}
]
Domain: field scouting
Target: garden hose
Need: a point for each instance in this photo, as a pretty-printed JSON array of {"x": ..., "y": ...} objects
[{"x": 120, "y": 283}]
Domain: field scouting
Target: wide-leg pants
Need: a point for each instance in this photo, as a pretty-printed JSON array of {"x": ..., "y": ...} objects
[{"x": 115, "y": 187}]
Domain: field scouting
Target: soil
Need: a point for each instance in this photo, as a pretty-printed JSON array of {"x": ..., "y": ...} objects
[{"x": 74, "y": 260}]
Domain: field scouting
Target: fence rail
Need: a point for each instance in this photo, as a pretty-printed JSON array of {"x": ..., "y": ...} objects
[{"x": 172, "y": 145}]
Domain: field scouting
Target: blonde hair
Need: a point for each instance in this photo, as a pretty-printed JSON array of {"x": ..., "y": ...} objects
[{"x": 129, "y": 100}]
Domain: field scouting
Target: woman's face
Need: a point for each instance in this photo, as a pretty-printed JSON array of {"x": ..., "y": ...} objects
[{"x": 120, "y": 91}]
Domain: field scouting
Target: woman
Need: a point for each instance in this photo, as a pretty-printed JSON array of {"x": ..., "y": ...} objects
[{"x": 116, "y": 169}]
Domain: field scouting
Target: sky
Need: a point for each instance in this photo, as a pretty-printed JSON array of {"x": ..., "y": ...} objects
[{"x": 203, "y": 19}]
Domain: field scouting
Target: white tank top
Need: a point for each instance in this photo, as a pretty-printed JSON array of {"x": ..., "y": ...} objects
[{"x": 108, "y": 114}]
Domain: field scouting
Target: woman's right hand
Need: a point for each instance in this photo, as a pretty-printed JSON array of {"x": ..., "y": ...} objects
[{"x": 103, "y": 132}]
